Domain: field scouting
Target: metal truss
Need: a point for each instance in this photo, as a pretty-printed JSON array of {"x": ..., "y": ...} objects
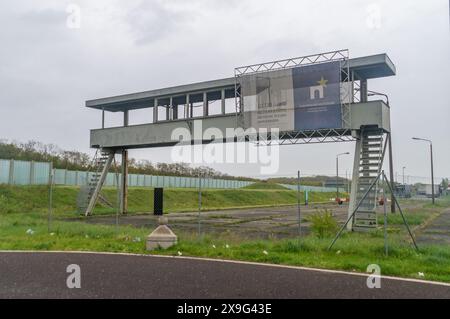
[
  {"x": 346, "y": 91},
  {"x": 307, "y": 137},
  {"x": 356, "y": 90},
  {"x": 291, "y": 63}
]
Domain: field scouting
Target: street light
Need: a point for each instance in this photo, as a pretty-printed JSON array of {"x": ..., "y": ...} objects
[
  {"x": 404, "y": 175},
  {"x": 431, "y": 157},
  {"x": 337, "y": 174}
]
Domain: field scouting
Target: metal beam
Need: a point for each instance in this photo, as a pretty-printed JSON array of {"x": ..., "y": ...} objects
[
  {"x": 124, "y": 183},
  {"x": 103, "y": 117},
  {"x": 363, "y": 90},
  {"x": 222, "y": 101},
  {"x": 155, "y": 111},
  {"x": 174, "y": 109},
  {"x": 374, "y": 113},
  {"x": 125, "y": 118},
  {"x": 205, "y": 104},
  {"x": 355, "y": 179}
]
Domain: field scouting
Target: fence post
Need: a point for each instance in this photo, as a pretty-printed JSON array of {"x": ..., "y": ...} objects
[
  {"x": 65, "y": 176},
  {"x": 11, "y": 172},
  {"x": 50, "y": 169},
  {"x": 298, "y": 206},
  {"x": 199, "y": 204},
  {"x": 50, "y": 196},
  {"x": 31, "y": 172}
]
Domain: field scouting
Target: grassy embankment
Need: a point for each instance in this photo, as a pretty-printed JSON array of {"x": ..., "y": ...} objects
[
  {"x": 19, "y": 199},
  {"x": 20, "y": 211}
]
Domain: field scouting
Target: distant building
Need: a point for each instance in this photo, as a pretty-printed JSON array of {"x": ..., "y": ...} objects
[
  {"x": 427, "y": 190},
  {"x": 403, "y": 191},
  {"x": 332, "y": 184}
]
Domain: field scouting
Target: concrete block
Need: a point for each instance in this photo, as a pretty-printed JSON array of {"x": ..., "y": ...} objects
[{"x": 162, "y": 237}]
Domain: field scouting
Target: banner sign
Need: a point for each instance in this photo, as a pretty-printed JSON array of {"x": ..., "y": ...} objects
[{"x": 301, "y": 98}]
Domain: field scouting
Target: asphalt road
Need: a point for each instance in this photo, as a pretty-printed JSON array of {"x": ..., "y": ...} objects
[{"x": 43, "y": 275}]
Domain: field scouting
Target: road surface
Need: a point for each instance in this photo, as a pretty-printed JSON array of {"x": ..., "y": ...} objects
[{"x": 44, "y": 275}]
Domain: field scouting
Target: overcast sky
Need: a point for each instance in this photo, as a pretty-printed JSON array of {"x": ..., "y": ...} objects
[{"x": 48, "y": 69}]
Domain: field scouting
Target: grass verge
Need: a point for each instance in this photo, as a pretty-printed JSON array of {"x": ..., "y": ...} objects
[
  {"x": 352, "y": 252},
  {"x": 18, "y": 199}
]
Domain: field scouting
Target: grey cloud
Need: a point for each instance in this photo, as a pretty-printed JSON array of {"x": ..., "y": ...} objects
[{"x": 152, "y": 20}]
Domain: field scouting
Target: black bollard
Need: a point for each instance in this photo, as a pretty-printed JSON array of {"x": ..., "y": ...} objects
[{"x": 158, "y": 201}]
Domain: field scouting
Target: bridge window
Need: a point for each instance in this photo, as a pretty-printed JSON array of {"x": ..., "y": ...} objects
[
  {"x": 230, "y": 101},
  {"x": 113, "y": 119},
  {"x": 197, "y": 109},
  {"x": 140, "y": 116},
  {"x": 214, "y": 103}
]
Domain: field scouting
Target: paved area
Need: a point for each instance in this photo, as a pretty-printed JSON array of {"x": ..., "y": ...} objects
[
  {"x": 438, "y": 231},
  {"x": 268, "y": 222},
  {"x": 260, "y": 223},
  {"x": 43, "y": 275}
]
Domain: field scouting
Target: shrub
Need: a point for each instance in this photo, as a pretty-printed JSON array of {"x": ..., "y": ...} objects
[{"x": 323, "y": 223}]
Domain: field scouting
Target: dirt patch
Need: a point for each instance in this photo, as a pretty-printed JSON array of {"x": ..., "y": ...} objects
[
  {"x": 263, "y": 223},
  {"x": 438, "y": 231}
]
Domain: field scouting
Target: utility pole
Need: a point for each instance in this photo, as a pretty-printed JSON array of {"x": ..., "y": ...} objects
[
  {"x": 337, "y": 174},
  {"x": 432, "y": 173},
  {"x": 298, "y": 205},
  {"x": 431, "y": 157},
  {"x": 404, "y": 176},
  {"x": 391, "y": 170}
]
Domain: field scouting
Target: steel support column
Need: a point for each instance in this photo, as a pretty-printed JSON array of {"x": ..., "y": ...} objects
[
  {"x": 155, "y": 111},
  {"x": 205, "y": 104},
  {"x": 124, "y": 183},
  {"x": 174, "y": 109},
  {"x": 103, "y": 117},
  {"x": 355, "y": 177},
  {"x": 363, "y": 90},
  {"x": 391, "y": 172},
  {"x": 125, "y": 118},
  {"x": 168, "y": 111},
  {"x": 222, "y": 101}
]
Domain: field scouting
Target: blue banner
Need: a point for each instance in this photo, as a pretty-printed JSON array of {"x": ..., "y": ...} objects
[{"x": 317, "y": 99}]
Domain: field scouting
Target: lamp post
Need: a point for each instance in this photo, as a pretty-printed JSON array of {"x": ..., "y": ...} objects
[
  {"x": 404, "y": 175},
  {"x": 431, "y": 157},
  {"x": 337, "y": 174}
]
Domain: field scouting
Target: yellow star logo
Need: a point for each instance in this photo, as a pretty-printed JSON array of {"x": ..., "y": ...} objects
[{"x": 322, "y": 81}]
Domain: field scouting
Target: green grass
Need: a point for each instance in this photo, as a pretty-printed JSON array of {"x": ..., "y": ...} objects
[
  {"x": 352, "y": 252},
  {"x": 265, "y": 185},
  {"x": 18, "y": 199}
]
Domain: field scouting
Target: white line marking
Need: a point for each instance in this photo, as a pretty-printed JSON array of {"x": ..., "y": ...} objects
[{"x": 331, "y": 271}]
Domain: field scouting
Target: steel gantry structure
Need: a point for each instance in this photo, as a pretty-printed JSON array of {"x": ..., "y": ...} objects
[{"x": 218, "y": 104}]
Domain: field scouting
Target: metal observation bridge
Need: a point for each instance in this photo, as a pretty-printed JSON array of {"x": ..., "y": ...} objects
[{"x": 312, "y": 99}]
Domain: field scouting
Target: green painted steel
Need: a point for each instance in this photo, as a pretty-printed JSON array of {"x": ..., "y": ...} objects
[{"x": 38, "y": 173}]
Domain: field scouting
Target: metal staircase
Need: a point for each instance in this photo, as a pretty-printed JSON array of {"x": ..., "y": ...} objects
[
  {"x": 369, "y": 163},
  {"x": 90, "y": 193}
]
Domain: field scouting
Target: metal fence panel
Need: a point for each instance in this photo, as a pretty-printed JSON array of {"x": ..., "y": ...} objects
[
  {"x": 59, "y": 176},
  {"x": 71, "y": 177},
  {"x": 41, "y": 173},
  {"x": 4, "y": 171},
  {"x": 26, "y": 172},
  {"x": 319, "y": 189},
  {"x": 21, "y": 174}
]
